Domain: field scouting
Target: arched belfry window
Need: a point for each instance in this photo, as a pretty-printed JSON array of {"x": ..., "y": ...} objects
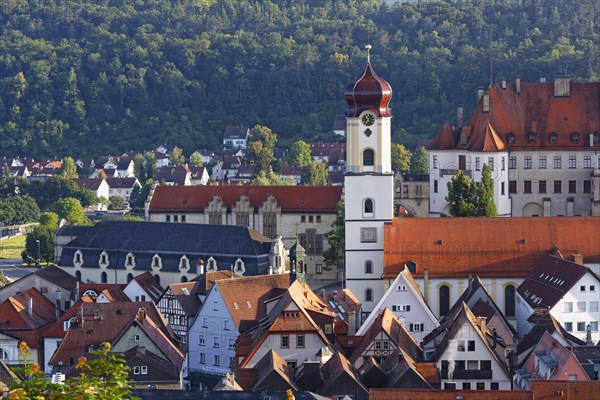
[
  {"x": 509, "y": 301},
  {"x": 368, "y": 208},
  {"x": 368, "y": 294},
  {"x": 368, "y": 267},
  {"x": 444, "y": 297},
  {"x": 368, "y": 158}
]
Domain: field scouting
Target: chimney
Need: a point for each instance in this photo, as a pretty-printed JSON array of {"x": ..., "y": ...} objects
[
  {"x": 459, "y": 116},
  {"x": 323, "y": 294},
  {"x": 479, "y": 93},
  {"x": 588, "y": 335},
  {"x": 577, "y": 258},
  {"x": 30, "y": 306},
  {"x": 77, "y": 291},
  {"x": 57, "y": 310},
  {"x": 482, "y": 323},
  {"x": 486, "y": 102},
  {"x": 270, "y": 270},
  {"x": 426, "y": 285},
  {"x": 200, "y": 267},
  {"x": 351, "y": 322},
  {"x": 518, "y": 84},
  {"x": 542, "y": 78},
  {"x": 591, "y": 140},
  {"x": 503, "y": 84},
  {"x": 562, "y": 86}
]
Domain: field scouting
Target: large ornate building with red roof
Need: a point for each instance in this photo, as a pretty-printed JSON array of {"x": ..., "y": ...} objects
[{"x": 542, "y": 141}]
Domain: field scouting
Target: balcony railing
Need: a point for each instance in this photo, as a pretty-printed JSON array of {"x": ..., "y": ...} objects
[
  {"x": 468, "y": 374},
  {"x": 444, "y": 172}
]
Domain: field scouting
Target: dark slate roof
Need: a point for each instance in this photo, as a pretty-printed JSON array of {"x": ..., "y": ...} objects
[
  {"x": 550, "y": 279},
  {"x": 122, "y": 183},
  {"x": 236, "y": 132},
  {"x": 221, "y": 395},
  {"x": 170, "y": 241}
]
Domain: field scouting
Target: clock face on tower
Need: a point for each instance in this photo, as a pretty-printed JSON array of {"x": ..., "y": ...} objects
[{"x": 368, "y": 119}]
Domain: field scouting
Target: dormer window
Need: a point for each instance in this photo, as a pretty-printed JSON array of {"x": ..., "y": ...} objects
[
  {"x": 510, "y": 138},
  {"x": 78, "y": 258},
  {"x": 156, "y": 262},
  {"x": 574, "y": 138},
  {"x": 103, "y": 261},
  {"x": 463, "y": 139},
  {"x": 184, "y": 263},
  {"x": 239, "y": 267},
  {"x": 553, "y": 138},
  {"x": 130, "y": 260},
  {"x": 211, "y": 265},
  {"x": 531, "y": 137}
]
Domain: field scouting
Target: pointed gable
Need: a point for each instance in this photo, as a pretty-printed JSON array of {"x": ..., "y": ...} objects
[
  {"x": 445, "y": 139},
  {"x": 488, "y": 141}
]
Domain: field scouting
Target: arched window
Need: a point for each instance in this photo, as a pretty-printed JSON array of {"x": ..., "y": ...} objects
[
  {"x": 157, "y": 277},
  {"x": 575, "y": 138},
  {"x": 444, "y": 300},
  {"x": 184, "y": 279},
  {"x": 509, "y": 301},
  {"x": 368, "y": 206},
  {"x": 78, "y": 275},
  {"x": 368, "y": 267},
  {"x": 103, "y": 277},
  {"x": 368, "y": 294},
  {"x": 368, "y": 158},
  {"x": 129, "y": 277},
  {"x": 553, "y": 138},
  {"x": 510, "y": 138}
]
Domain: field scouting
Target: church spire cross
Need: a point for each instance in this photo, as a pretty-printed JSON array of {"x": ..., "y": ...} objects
[{"x": 368, "y": 48}]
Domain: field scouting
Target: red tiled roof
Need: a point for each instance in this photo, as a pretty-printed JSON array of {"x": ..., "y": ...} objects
[
  {"x": 488, "y": 141},
  {"x": 485, "y": 246},
  {"x": 290, "y": 198},
  {"x": 445, "y": 138},
  {"x": 87, "y": 183},
  {"x": 536, "y": 110},
  {"x": 564, "y": 390},
  {"x": 150, "y": 285},
  {"x": 432, "y": 394}
]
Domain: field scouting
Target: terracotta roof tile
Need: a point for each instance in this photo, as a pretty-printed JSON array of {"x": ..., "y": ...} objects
[
  {"x": 57, "y": 276},
  {"x": 245, "y": 297},
  {"x": 290, "y": 198},
  {"x": 485, "y": 246},
  {"x": 150, "y": 285},
  {"x": 488, "y": 141},
  {"x": 445, "y": 139},
  {"x": 432, "y": 394},
  {"x": 564, "y": 390}
]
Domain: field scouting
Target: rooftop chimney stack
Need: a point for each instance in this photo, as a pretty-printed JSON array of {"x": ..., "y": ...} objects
[
  {"x": 479, "y": 93},
  {"x": 426, "y": 285},
  {"x": 518, "y": 85},
  {"x": 486, "y": 102},
  {"x": 577, "y": 258},
  {"x": 542, "y": 78},
  {"x": 200, "y": 267},
  {"x": 459, "y": 116},
  {"x": 351, "y": 322},
  {"x": 562, "y": 86},
  {"x": 503, "y": 84},
  {"x": 588, "y": 335},
  {"x": 30, "y": 306}
]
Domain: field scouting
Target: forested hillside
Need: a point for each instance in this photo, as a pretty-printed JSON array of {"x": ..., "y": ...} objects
[{"x": 106, "y": 76}]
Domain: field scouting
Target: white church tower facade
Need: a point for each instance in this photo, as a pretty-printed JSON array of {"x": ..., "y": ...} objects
[{"x": 369, "y": 185}]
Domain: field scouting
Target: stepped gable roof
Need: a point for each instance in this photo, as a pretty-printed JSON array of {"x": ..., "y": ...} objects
[
  {"x": 538, "y": 112},
  {"x": 445, "y": 139},
  {"x": 150, "y": 285},
  {"x": 488, "y": 141},
  {"x": 549, "y": 281},
  {"x": 88, "y": 183},
  {"x": 245, "y": 297},
  {"x": 107, "y": 322},
  {"x": 290, "y": 198},
  {"x": 170, "y": 241},
  {"x": 369, "y": 92},
  {"x": 486, "y": 247},
  {"x": 387, "y": 322}
]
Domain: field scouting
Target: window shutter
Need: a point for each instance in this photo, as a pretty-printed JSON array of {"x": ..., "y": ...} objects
[
  {"x": 410, "y": 327},
  {"x": 422, "y": 327}
]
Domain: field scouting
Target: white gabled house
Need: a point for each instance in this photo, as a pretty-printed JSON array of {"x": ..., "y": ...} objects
[
  {"x": 570, "y": 291},
  {"x": 231, "y": 307},
  {"x": 405, "y": 300},
  {"x": 468, "y": 355},
  {"x": 144, "y": 287}
]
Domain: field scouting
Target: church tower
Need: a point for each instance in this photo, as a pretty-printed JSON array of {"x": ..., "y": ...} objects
[{"x": 368, "y": 184}]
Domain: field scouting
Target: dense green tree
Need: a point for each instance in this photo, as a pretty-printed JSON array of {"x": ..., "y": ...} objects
[
  {"x": 261, "y": 148},
  {"x": 315, "y": 174},
  {"x": 419, "y": 162},
  {"x": 49, "y": 219},
  {"x": 116, "y": 202},
  {"x": 334, "y": 255},
  {"x": 150, "y": 164},
  {"x": 196, "y": 160},
  {"x": 45, "y": 235},
  {"x": 400, "y": 158},
  {"x": 71, "y": 210},
  {"x": 68, "y": 169},
  {"x": 46, "y": 192},
  {"x": 271, "y": 179},
  {"x": 103, "y": 376},
  {"x": 300, "y": 154},
  {"x": 176, "y": 157},
  {"x": 134, "y": 197},
  {"x": 16, "y": 210},
  {"x": 468, "y": 198},
  {"x": 139, "y": 169}
]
